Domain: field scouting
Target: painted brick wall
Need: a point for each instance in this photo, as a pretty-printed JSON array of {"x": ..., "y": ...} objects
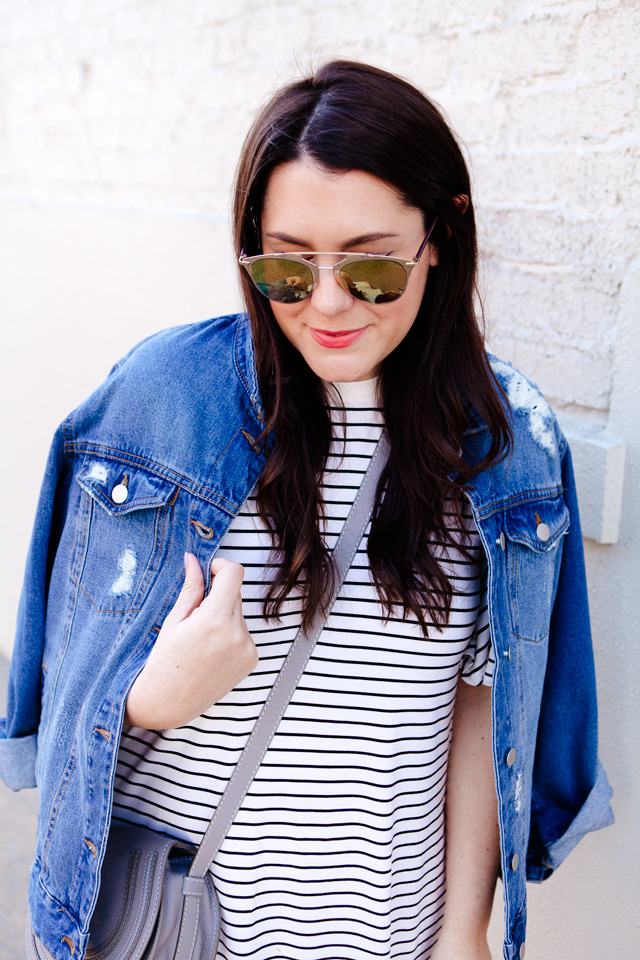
[
  {"x": 145, "y": 104},
  {"x": 120, "y": 124}
]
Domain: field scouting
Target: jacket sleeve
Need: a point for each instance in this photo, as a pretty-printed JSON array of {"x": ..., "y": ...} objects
[
  {"x": 570, "y": 792},
  {"x": 18, "y": 731}
]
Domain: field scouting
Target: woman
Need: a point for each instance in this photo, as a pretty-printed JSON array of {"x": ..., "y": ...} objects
[{"x": 240, "y": 444}]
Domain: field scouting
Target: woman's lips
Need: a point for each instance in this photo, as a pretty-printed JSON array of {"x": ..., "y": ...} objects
[{"x": 337, "y": 338}]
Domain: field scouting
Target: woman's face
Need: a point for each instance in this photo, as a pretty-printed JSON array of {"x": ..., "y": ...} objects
[{"x": 309, "y": 208}]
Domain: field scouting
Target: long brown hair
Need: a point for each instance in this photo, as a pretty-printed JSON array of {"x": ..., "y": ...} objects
[{"x": 351, "y": 116}]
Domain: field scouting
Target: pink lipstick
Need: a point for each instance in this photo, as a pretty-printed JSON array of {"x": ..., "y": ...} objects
[{"x": 339, "y": 338}]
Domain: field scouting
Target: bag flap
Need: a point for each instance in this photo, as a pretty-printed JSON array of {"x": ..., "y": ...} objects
[{"x": 131, "y": 889}]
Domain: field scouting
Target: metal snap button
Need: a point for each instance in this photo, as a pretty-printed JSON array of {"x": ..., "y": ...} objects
[
  {"x": 510, "y": 758},
  {"x": 521, "y": 951},
  {"x": 542, "y": 532},
  {"x": 507, "y": 653},
  {"x": 119, "y": 493},
  {"x": 515, "y": 860},
  {"x": 502, "y": 541}
]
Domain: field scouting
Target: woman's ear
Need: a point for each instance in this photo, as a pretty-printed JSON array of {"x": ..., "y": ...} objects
[{"x": 461, "y": 202}]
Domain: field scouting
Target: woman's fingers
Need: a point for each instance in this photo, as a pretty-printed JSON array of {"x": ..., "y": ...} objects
[
  {"x": 228, "y": 568},
  {"x": 224, "y": 600},
  {"x": 203, "y": 650},
  {"x": 226, "y": 581},
  {"x": 192, "y": 591}
]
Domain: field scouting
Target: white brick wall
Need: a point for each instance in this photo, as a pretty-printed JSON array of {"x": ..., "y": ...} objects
[
  {"x": 145, "y": 104},
  {"x": 120, "y": 125}
]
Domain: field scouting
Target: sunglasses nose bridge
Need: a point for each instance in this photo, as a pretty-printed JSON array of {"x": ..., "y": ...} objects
[
  {"x": 330, "y": 293},
  {"x": 324, "y": 272},
  {"x": 324, "y": 269}
]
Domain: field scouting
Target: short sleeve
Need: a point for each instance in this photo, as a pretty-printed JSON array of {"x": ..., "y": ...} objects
[{"x": 478, "y": 661}]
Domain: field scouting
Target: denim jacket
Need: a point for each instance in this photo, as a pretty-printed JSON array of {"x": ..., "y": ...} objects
[{"x": 158, "y": 461}]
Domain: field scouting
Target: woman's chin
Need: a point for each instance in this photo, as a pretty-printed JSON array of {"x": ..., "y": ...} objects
[
  {"x": 342, "y": 375},
  {"x": 342, "y": 369}
]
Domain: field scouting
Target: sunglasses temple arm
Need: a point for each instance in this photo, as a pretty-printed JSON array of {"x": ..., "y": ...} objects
[{"x": 425, "y": 241}]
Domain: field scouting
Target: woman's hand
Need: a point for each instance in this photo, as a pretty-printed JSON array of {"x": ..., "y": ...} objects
[{"x": 202, "y": 652}]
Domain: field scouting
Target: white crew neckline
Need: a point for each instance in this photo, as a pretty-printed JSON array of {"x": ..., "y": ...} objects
[{"x": 358, "y": 393}]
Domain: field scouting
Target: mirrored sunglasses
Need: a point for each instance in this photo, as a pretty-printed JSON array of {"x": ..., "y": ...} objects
[{"x": 291, "y": 277}]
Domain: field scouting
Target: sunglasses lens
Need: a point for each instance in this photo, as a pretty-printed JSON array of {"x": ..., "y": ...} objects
[
  {"x": 376, "y": 281},
  {"x": 285, "y": 281}
]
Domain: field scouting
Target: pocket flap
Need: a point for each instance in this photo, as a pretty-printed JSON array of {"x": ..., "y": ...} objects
[
  {"x": 120, "y": 487},
  {"x": 537, "y": 524}
]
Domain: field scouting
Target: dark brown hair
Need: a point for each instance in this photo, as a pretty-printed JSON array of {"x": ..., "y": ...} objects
[{"x": 351, "y": 116}]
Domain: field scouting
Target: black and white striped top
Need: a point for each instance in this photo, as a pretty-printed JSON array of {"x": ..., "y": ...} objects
[{"x": 337, "y": 851}]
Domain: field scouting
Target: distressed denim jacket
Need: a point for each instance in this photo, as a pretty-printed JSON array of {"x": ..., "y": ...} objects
[{"x": 158, "y": 461}]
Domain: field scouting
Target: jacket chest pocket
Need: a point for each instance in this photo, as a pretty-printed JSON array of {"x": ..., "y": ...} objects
[
  {"x": 533, "y": 533},
  {"x": 125, "y": 526}
]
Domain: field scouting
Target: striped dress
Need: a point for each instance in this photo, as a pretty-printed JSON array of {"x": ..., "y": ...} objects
[{"x": 337, "y": 852}]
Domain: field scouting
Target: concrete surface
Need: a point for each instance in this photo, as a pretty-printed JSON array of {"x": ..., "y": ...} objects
[{"x": 18, "y": 815}]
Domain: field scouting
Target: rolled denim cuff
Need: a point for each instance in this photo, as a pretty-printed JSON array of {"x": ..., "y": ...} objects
[
  {"x": 18, "y": 761},
  {"x": 594, "y": 814}
]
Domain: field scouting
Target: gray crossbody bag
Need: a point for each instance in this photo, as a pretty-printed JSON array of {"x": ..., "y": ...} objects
[{"x": 157, "y": 900}]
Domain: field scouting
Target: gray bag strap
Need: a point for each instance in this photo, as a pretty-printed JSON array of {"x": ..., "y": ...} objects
[{"x": 292, "y": 669}]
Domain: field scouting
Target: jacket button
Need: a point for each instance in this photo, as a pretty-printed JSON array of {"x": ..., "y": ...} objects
[
  {"x": 515, "y": 860},
  {"x": 542, "y": 532},
  {"x": 119, "y": 493},
  {"x": 521, "y": 951},
  {"x": 507, "y": 653},
  {"x": 502, "y": 541},
  {"x": 510, "y": 758}
]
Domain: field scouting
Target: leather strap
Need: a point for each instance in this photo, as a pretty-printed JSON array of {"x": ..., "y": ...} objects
[{"x": 292, "y": 669}]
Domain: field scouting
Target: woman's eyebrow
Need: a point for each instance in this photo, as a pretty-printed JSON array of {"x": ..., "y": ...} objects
[
  {"x": 353, "y": 242},
  {"x": 370, "y": 238},
  {"x": 285, "y": 238}
]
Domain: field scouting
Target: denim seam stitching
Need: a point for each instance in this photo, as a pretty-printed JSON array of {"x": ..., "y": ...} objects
[
  {"x": 191, "y": 486},
  {"x": 542, "y": 493}
]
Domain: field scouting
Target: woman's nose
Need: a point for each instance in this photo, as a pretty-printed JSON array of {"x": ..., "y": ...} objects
[{"x": 329, "y": 296}]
